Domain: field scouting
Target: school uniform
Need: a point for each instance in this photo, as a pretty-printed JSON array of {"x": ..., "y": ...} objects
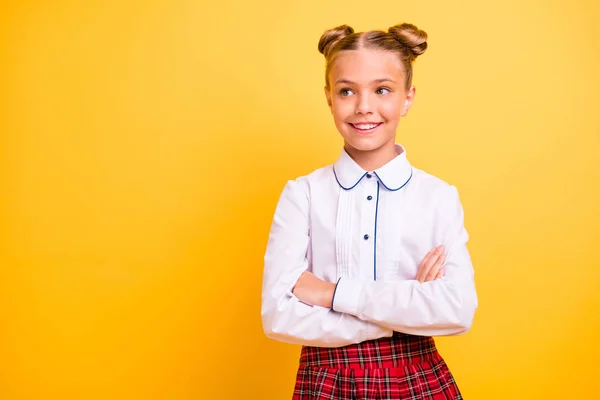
[{"x": 368, "y": 231}]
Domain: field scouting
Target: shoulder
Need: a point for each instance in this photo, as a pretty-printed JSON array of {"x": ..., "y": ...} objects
[
  {"x": 320, "y": 176},
  {"x": 304, "y": 184},
  {"x": 440, "y": 197},
  {"x": 433, "y": 187}
]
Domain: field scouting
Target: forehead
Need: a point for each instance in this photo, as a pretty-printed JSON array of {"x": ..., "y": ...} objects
[{"x": 365, "y": 65}]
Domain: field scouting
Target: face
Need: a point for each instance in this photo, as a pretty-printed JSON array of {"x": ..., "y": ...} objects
[{"x": 367, "y": 96}]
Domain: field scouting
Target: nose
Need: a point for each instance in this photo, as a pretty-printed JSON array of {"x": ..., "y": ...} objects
[{"x": 364, "y": 104}]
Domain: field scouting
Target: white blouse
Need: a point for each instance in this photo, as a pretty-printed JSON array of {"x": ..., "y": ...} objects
[{"x": 367, "y": 231}]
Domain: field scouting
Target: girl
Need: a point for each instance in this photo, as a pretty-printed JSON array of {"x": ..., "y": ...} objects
[{"x": 367, "y": 258}]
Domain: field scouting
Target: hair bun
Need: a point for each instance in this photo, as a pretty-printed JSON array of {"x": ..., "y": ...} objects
[
  {"x": 331, "y": 37},
  {"x": 410, "y": 37}
]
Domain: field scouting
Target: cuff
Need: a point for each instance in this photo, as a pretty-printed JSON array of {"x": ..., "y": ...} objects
[
  {"x": 334, "y": 290},
  {"x": 346, "y": 295}
]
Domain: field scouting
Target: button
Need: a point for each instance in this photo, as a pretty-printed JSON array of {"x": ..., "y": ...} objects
[
  {"x": 366, "y": 237},
  {"x": 369, "y": 197},
  {"x": 369, "y": 176}
]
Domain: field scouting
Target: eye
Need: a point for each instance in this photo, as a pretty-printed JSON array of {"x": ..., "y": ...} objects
[
  {"x": 345, "y": 92},
  {"x": 382, "y": 90}
]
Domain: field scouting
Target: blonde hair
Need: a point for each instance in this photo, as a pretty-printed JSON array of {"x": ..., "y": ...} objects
[{"x": 406, "y": 40}]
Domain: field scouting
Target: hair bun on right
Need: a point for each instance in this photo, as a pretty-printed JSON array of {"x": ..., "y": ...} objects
[
  {"x": 411, "y": 37},
  {"x": 332, "y": 37}
]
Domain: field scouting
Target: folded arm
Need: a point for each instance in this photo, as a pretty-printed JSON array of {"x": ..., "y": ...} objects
[
  {"x": 445, "y": 306},
  {"x": 284, "y": 316}
]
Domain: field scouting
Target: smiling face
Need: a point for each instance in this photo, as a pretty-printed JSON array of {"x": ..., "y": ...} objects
[{"x": 367, "y": 96}]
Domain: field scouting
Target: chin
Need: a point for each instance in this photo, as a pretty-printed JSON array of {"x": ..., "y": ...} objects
[{"x": 365, "y": 144}]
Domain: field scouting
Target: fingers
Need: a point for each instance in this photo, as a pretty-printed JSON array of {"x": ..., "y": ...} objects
[
  {"x": 436, "y": 268},
  {"x": 431, "y": 265},
  {"x": 307, "y": 288},
  {"x": 302, "y": 281},
  {"x": 426, "y": 263},
  {"x": 441, "y": 273}
]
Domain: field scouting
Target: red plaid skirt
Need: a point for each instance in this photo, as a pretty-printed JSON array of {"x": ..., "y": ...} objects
[{"x": 399, "y": 367}]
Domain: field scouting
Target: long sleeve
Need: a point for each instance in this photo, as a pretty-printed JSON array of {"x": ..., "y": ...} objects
[
  {"x": 284, "y": 317},
  {"x": 441, "y": 307}
]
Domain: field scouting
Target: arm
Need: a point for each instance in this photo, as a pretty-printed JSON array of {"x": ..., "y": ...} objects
[
  {"x": 444, "y": 306},
  {"x": 284, "y": 317}
]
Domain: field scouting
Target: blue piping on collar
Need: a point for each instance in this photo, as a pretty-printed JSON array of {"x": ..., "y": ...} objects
[
  {"x": 377, "y": 175},
  {"x": 348, "y": 188},
  {"x": 392, "y": 190}
]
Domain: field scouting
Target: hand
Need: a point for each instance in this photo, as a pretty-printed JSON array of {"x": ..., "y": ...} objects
[
  {"x": 431, "y": 268},
  {"x": 314, "y": 291}
]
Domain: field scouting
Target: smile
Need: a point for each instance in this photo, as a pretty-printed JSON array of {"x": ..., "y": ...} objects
[{"x": 366, "y": 128}]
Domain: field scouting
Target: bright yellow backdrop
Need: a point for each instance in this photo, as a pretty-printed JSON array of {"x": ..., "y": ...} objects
[{"x": 144, "y": 145}]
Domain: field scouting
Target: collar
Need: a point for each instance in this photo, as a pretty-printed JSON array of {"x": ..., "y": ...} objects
[{"x": 393, "y": 176}]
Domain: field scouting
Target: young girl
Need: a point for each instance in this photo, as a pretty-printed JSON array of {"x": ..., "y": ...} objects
[{"x": 367, "y": 258}]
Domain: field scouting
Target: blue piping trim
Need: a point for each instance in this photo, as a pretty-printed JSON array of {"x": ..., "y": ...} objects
[
  {"x": 342, "y": 186},
  {"x": 335, "y": 290},
  {"x": 393, "y": 190},
  {"x": 375, "y": 239}
]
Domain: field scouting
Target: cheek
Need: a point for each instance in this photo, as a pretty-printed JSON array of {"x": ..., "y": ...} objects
[
  {"x": 391, "y": 110},
  {"x": 341, "y": 111}
]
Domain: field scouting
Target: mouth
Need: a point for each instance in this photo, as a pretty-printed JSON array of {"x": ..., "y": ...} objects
[{"x": 366, "y": 128}]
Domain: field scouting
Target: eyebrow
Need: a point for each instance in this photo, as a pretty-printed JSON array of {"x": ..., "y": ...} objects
[{"x": 346, "y": 81}]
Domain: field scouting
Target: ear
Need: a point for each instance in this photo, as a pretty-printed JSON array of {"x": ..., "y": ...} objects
[
  {"x": 328, "y": 96},
  {"x": 408, "y": 100}
]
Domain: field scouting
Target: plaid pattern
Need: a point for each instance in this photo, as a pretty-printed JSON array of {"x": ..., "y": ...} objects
[{"x": 399, "y": 367}]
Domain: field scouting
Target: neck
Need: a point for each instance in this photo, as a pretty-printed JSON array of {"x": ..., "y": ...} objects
[{"x": 372, "y": 159}]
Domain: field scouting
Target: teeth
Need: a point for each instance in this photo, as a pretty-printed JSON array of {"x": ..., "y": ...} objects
[{"x": 365, "y": 126}]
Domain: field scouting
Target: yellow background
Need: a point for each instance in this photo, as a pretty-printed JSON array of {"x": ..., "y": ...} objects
[{"x": 144, "y": 145}]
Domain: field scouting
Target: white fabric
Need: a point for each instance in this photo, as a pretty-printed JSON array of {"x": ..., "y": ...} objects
[{"x": 320, "y": 225}]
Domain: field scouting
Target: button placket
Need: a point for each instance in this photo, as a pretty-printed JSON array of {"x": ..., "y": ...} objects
[{"x": 367, "y": 227}]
